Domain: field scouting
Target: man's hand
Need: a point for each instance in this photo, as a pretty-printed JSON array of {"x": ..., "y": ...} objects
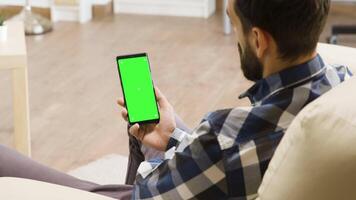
[{"x": 154, "y": 135}]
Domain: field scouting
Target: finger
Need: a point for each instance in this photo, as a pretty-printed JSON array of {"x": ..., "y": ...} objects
[
  {"x": 124, "y": 114},
  {"x": 161, "y": 99},
  {"x": 134, "y": 130},
  {"x": 158, "y": 92},
  {"x": 121, "y": 102}
]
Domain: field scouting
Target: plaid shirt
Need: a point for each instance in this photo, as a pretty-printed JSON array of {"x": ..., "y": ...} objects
[{"x": 227, "y": 155}]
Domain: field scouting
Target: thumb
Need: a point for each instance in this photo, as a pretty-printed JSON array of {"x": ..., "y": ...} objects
[{"x": 134, "y": 130}]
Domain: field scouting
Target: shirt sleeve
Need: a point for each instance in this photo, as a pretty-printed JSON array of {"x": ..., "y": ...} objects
[
  {"x": 176, "y": 138},
  {"x": 192, "y": 167}
]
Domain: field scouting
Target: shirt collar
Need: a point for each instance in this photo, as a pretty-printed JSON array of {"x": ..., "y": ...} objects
[{"x": 287, "y": 78}]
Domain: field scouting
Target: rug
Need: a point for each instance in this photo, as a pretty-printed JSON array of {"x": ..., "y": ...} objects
[{"x": 110, "y": 169}]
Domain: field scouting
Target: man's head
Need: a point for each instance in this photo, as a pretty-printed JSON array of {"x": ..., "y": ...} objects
[{"x": 273, "y": 34}]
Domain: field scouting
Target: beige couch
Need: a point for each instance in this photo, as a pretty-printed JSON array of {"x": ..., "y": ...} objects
[
  {"x": 24, "y": 189},
  {"x": 316, "y": 160}
]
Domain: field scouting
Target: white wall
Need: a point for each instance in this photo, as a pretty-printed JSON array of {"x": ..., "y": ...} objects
[
  {"x": 191, "y": 8},
  {"x": 37, "y": 3},
  {"x": 45, "y": 3}
]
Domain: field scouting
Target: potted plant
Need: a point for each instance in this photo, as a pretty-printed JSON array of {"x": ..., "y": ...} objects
[{"x": 3, "y": 29}]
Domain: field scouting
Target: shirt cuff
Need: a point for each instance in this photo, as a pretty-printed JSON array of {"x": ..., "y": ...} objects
[{"x": 176, "y": 137}]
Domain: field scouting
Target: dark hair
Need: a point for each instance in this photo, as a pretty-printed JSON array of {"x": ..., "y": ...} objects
[{"x": 295, "y": 25}]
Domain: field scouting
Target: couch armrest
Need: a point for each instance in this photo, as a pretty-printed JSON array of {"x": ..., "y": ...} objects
[
  {"x": 19, "y": 189},
  {"x": 336, "y": 54}
]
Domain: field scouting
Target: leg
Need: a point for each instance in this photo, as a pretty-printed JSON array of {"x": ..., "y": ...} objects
[
  {"x": 13, "y": 164},
  {"x": 140, "y": 153}
]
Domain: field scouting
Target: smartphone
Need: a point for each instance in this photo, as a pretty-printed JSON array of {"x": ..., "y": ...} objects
[{"x": 138, "y": 89}]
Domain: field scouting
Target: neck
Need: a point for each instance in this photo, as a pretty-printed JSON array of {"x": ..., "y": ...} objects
[{"x": 273, "y": 66}]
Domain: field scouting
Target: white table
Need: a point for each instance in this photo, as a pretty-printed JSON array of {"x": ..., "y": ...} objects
[{"x": 13, "y": 56}]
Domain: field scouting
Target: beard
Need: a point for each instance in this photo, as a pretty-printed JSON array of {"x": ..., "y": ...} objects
[{"x": 251, "y": 67}]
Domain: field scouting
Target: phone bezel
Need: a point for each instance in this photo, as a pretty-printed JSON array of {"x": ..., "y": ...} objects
[{"x": 123, "y": 91}]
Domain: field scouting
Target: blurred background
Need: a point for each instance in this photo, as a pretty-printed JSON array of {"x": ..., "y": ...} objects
[{"x": 72, "y": 75}]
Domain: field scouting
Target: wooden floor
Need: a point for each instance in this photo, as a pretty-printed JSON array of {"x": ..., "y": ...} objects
[{"x": 74, "y": 84}]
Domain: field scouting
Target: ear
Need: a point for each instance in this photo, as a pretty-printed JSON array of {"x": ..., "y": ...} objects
[{"x": 260, "y": 40}]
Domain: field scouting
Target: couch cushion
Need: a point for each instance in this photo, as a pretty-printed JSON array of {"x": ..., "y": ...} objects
[
  {"x": 20, "y": 189},
  {"x": 316, "y": 159},
  {"x": 335, "y": 54}
]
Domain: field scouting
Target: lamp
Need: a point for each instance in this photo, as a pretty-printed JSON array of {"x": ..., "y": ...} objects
[{"x": 34, "y": 23}]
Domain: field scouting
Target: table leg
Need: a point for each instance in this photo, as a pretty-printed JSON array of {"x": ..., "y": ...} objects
[{"x": 22, "y": 137}]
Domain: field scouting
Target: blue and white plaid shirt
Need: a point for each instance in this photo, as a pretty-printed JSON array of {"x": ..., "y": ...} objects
[{"x": 226, "y": 156}]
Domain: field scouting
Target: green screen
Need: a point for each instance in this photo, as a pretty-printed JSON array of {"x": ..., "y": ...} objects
[{"x": 138, "y": 89}]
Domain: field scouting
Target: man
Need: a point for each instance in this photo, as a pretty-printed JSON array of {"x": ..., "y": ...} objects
[{"x": 227, "y": 154}]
